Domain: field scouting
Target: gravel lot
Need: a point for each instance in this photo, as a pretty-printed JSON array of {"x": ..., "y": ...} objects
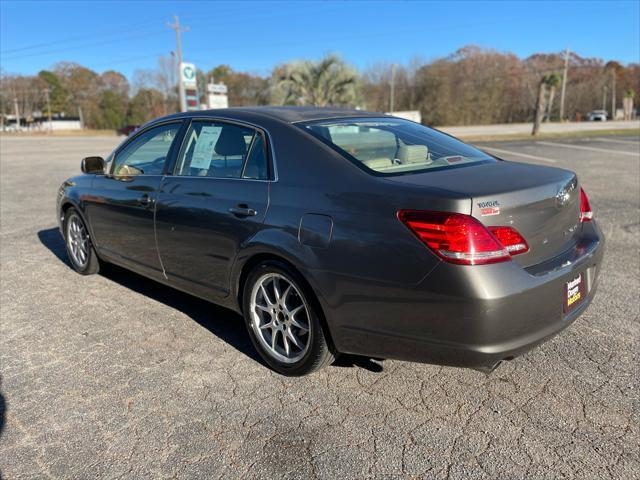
[{"x": 116, "y": 376}]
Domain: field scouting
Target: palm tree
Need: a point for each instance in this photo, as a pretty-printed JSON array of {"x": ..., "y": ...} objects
[
  {"x": 615, "y": 68},
  {"x": 552, "y": 81},
  {"x": 329, "y": 81},
  {"x": 547, "y": 83},
  {"x": 627, "y": 104}
]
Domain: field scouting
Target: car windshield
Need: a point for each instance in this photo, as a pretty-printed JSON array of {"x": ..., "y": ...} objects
[{"x": 392, "y": 146}]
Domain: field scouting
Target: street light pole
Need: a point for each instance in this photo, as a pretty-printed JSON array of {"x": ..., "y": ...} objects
[
  {"x": 176, "y": 26},
  {"x": 564, "y": 83}
]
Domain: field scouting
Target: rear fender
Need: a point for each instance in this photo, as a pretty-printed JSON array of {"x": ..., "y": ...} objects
[{"x": 277, "y": 243}]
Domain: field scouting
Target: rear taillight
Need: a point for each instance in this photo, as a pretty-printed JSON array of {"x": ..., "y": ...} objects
[
  {"x": 455, "y": 237},
  {"x": 462, "y": 239},
  {"x": 585, "y": 209},
  {"x": 511, "y": 239}
]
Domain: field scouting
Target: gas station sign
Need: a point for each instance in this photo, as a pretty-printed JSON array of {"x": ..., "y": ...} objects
[{"x": 189, "y": 82}]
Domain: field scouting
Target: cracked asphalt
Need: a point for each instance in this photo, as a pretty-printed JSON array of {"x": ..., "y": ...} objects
[{"x": 115, "y": 376}]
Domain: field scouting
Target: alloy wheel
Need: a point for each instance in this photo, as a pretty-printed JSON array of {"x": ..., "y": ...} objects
[
  {"x": 78, "y": 241},
  {"x": 280, "y": 318}
]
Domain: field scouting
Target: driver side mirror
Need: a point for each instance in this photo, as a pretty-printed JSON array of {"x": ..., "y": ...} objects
[{"x": 92, "y": 165}]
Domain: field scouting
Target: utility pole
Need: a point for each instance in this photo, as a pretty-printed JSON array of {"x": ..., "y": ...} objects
[
  {"x": 393, "y": 88},
  {"x": 46, "y": 92},
  {"x": 604, "y": 98},
  {"x": 564, "y": 83},
  {"x": 613, "y": 95},
  {"x": 178, "y": 29},
  {"x": 17, "y": 112}
]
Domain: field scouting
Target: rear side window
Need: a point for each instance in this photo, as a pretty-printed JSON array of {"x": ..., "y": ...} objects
[
  {"x": 390, "y": 146},
  {"x": 215, "y": 149},
  {"x": 257, "y": 166}
]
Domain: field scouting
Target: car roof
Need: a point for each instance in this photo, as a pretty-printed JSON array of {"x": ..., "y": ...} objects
[{"x": 289, "y": 114}]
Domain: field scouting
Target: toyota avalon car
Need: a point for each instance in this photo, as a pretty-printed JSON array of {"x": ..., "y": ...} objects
[{"x": 341, "y": 231}]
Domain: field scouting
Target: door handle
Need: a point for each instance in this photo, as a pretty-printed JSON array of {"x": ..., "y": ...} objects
[
  {"x": 243, "y": 211},
  {"x": 145, "y": 200}
]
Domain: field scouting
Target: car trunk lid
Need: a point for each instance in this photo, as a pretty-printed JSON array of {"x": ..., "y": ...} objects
[{"x": 541, "y": 203}]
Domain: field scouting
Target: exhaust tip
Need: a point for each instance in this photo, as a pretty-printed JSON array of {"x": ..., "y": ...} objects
[{"x": 487, "y": 369}]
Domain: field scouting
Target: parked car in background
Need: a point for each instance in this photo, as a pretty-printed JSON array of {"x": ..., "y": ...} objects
[
  {"x": 598, "y": 116},
  {"x": 341, "y": 231},
  {"x": 128, "y": 130}
]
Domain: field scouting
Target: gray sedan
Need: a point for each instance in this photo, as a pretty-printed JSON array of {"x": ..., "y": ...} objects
[{"x": 342, "y": 231}]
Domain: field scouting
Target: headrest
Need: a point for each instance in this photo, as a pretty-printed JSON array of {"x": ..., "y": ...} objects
[
  {"x": 231, "y": 142},
  {"x": 413, "y": 153}
]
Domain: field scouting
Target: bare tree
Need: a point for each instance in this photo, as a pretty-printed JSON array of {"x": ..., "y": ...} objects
[
  {"x": 166, "y": 81},
  {"x": 25, "y": 91},
  {"x": 163, "y": 78},
  {"x": 115, "y": 81}
]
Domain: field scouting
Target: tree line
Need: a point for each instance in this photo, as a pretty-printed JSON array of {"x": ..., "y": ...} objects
[{"x": 470, "y": 86}]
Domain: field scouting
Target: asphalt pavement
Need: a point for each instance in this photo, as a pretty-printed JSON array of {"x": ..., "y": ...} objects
[{"x": 115, "y": 376}]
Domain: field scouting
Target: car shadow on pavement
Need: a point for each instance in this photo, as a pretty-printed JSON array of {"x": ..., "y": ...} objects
[
  {"x": 373, "y": 365},
  {"x": 222, "y": 322},
  {"x": 52, "y": 239}
]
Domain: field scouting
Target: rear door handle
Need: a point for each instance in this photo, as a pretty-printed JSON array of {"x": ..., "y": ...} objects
[
  {"x": 243, "y": 211},
  {"x": 145, "y": 200}
]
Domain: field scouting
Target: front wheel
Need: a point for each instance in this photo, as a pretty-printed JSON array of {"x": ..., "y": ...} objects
[
  {"x": 283, "y": 322},
  {"x": 82, "y": 255}
]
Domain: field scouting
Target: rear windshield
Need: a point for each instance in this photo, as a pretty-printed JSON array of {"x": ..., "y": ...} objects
[{"x": 391, "y": 146}]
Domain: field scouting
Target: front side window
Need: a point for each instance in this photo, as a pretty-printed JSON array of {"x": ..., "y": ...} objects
[
  {"x": 215, "y": 149},
  {"x": 146, "y": 153},
  {"x": 394, "y": 146}
]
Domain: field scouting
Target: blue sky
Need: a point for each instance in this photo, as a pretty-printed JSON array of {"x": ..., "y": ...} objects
[{"x": 254, "y": 35}]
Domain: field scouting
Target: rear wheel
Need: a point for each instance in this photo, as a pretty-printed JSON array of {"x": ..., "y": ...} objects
[
  {"x": 283, "y": 322},
  {"x": 81, "y": 253}
]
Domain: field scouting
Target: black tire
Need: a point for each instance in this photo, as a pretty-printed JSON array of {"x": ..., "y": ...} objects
[
  {"x": 92, "y": 264},
  {"x": 318, "y": 354}
]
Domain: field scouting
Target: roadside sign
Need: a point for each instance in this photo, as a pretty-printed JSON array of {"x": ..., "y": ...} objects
[
  {"x": 217, "y": 95},
  {"x": 188, "y": 74},
  {"x": 218, "y": 101},
  {"x": 190, "y": 86},
  {"x": 217, "y": 88}
]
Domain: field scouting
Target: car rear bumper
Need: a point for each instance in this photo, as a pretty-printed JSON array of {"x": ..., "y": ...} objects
[{"x": 471, "y": 316}]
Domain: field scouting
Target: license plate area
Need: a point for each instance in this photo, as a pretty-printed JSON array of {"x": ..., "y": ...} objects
[{"x": 575, "y": 292}]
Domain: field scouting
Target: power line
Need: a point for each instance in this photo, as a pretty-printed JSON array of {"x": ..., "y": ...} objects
[
  {"x": 77, "y": 37},
  {"x": 241, "y": 18},
  {"x": 123, "y": 61},
  {"x": 125, "y": 38},
  {"x": 112, "y": 31},
  {"x": 204, "y": 18}
]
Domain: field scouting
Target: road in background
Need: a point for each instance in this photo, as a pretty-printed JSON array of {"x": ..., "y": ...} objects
[
  {"x": 116, "y": 376},
  {"x": 525, "y": 128}
]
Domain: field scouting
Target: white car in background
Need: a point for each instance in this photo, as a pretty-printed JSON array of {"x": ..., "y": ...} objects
[{"x": 598, "y": 116}]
